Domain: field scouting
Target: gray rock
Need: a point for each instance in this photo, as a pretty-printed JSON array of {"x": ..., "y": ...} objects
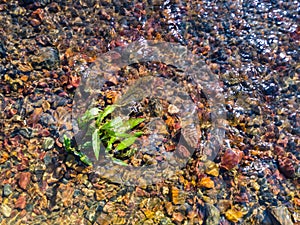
[
  {"x": 91, "y": 214},
  {"x": 7, "y": 190},
  {"x": 47, "y": 58},
  {"x": 212, "y": 215},
  {"x": 48, "y": 143},
  {"x": 280, "y": 215}
]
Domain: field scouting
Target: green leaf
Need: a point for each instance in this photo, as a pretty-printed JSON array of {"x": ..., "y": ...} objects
[
  {"x": 110, "y": 143},
  {"x": 127, "y": 135},
  {"x": 129, "y": 124},
  {"x": 108, "y": 110},
  {"x": 67, "y": 144},
  {"x": 96, "y": 143},
  {"x": 118, "y": 161},
  {"x": 94, "y": 111},
  {"x": 138, "y": 133},
  {"x": 88, "y": 115},
  {"x": 87, "y": 144},
  {"x": 129, "y": 153},
  {"x": 122, "y": 135},
  {"x": 126, "y": 143},
  {"x": 114, "y": 123},
  {"x": 84, "y": 158}
]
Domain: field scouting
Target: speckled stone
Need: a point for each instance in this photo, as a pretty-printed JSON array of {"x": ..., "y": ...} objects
[{"x": 7, "y": 190}]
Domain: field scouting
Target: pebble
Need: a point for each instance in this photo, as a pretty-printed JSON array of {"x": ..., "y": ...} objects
[
  {"x": 91, "y": 213},
  {"x": 21, "y": 202},
  {"x": 211, "y": 168},
  {"x": 281, "y": 215},
  {"x": 48, "y": 143},
  {"x": 231, "y": 158},
  {"x": 178, "y": 217},
  {"x": 5, "y": 210},
  {"x": 234, "y": 215},
  {"x": 7, "y": 190},
  {"x": 172, "y": 109},
  {"x": 178, "y": 196},
  {"x": 207, "y": 182},
  {"x": 47, "y": 58},
  {"x": 2, "y": 50},
  {"x": 24, "y": 179},
  {"x": 212, "y": 215}
]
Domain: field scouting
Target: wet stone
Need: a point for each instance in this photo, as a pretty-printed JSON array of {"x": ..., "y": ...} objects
[
  {"x": 91, "y": 214},
  {"x": 21, "y": 202},
  {"x": 7, "y": 190},
  {"x": 280, "y": 215},
  {"x": 48, "y": 143},
  {"x": 2, "y": 50},
  {"x": 5, "y": 210},
  {"x": 212, "y": 215},
  {"x": 24, "y": 179},
  {"x": 47, "y": 58}
]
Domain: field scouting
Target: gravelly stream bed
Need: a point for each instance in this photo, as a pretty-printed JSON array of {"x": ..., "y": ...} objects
[{"x": 47, "y": 48}]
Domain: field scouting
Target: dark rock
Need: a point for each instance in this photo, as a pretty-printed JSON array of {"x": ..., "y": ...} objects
[
  {"x": 47, "y": 58},
  {"x": 2, "y": 50}
]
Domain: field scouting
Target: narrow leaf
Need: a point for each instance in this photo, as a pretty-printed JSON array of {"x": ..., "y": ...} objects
[
  {"x": 126, "y": 143},
  {"x": 96, "y": 143},
  {"x": 122, "y": 135},
  {"x": 118, "y": 161},
  {"x": 87, "y": 144},
  {"x": 94, "y": 111},
  {"x": 110, "y": 143},
  {"x": 138, "y": 133},
  {"x": 114, "y": 123},
  {"x": 88, "y": 115},
  {"x": 85, "y": 159},
  {"x": 129, "y": 124},
  {"x": 108, "y": 110},
  {"x": 134, "y": 122},
  {"x": 67, "y": 144}
]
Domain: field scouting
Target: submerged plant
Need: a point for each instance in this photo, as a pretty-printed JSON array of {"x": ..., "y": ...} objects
[
  {"x": 70, "y": 149},
  {"x": 112, "y": 133}
]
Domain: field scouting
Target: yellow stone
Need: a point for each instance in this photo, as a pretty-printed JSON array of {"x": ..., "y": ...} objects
[
  {"x": 211, "y": 168},
  {"x": 149, "y": 214},
  {"x": 100, "y": 195},
  {"x": 207, "y": 182},
  {"x": 234, "y": 215},
  {"x": 256, "y": 186}
]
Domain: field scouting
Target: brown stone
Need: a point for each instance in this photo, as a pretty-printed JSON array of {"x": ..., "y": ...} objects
[
  {"x": 231, "y": 158},
  {"x": 21, "y": 202},
  {"x": 24, "y": 179}
]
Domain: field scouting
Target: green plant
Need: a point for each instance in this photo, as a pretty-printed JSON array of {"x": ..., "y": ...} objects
[
  {"x": 112, "y": 133},
  {"x": 70, "y": 149}
]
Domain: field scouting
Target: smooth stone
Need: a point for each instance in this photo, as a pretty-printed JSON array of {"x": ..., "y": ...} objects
[
  {"x": 281, "y": 215},
  {"x": 91, "y": 214},
  {"x": 47, "y": 58},
  {"x": 7, "y": 190},
  {"x": 212, "y": 215},
  {"x": 48, "y": 143},
  {"x": 5, "y": 210}
]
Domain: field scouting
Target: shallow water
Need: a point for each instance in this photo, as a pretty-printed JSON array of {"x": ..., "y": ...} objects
[{"x": 50, "y": 49}]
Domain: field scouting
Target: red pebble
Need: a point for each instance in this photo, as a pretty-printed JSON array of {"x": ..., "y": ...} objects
[
  {"x": 231, "y": 158},
  {"x": 24, "y": 179}
]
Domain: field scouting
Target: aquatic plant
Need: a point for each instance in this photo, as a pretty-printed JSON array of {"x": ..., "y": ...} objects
[{"x": 112, "y": 133}]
